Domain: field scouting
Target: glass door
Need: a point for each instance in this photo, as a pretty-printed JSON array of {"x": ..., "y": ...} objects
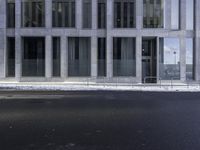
[{"x": 149, "y": 60}]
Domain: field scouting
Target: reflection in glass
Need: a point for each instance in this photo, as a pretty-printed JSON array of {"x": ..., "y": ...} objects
[
  {"x": 175, "y": 14},
  {"x": 79, "y": 52},
  {"x": 101, "y": 14},
  {"x": 10, "y": 13},
  {"x": 124, "y": 63},
  {"x": 189, "y": 59},
  {"x": 169, "y": 59},
  {"x": 124, "y": 14},
  {"x": 56, "y": 56},
  {"x": 153, "y": 13},
  {"x": 33, "y": 14},
  {"x": 87, "y": 14},
  {"x": 63, "y": 13},
  {"x": 101, "y": 56},
  {"x": 33, "y": 57},
  {"x": 10, "y": 69}
]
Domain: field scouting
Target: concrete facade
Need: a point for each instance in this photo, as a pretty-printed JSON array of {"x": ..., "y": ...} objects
[{"x": 139, "y": 32}]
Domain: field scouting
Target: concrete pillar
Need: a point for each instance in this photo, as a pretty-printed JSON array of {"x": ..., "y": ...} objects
[
  {"x": 183, "y": 14},
  {"x": 3, "y": 53},
  {"x": 94, "y": 14},
  {"x": 2, "y": 38},
  {"x": 197, "y": 58},
  {"x": 2, "y": 14},
  {"x": 139, "y": 14},
  {"x": 18, "y": 14},
  {"x": 109, "y": 54},
  {"x": 79, "y": 17},
  {"x": 183, "y": 59},
  {"x": 109, "y": 39},
  {"x": 64, "y": 57},
  {"x": 48, "y": 14},
  {"x": 48, "y": 57},
  {"x": 18, "y": 41},
  {"x": 158, "y": 58},
  {"x": 183, "y": 40},
  {"x": 197, "y": 41},
  {"x": 139, "y": 59},
  {"x": 94, "y": 40},
  {"x": 94, "y": 56},
  {"x": 18, "y": 58},
  {"x": 167, "y": 14}
]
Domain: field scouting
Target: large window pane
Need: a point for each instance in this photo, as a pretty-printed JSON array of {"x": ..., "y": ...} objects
[
  {"x": 63, "y": 13},
  {"x": 10, "y": 13},
  {"x": 87, "y": 14},
  {"x": 153, "y": 13},
  {"x": 169, "y": 59},
  {"x": 101, "y": 14},
  {"x": 79, "y": 51},
  {"x": 124, "y": 63},
  {"x": 33, "y": 14},
  {"x": 175, "y": 14},
  {"x": 189, "y": 59},
  {"x": 33, "y": 57},
  {"x": 101, "y": 56},
  {"x": 124, "y": 14},
  {"x": 189, "y": 14},
  {"x": 56, "y": 56},
  {"x": 10, "y": 69}
]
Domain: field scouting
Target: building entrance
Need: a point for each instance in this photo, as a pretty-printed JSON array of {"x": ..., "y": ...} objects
[{"x": 149, "y": 60}]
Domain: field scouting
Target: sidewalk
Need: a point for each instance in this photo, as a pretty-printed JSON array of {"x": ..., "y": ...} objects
[{"x": 83, "y": 86}]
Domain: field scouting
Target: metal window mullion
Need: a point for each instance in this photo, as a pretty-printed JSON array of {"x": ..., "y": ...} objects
[
  {"x": 115, "y": 14},
  {"x": 30, "y": 13},
  {"x": 56, "y": 14},
  {"x": 128, "y": 14},
  {"x": 154, "y": 14},
  {"x": 162, "y": 13},
  {"x": 37, "y": 15},
  {"x": 63, "y": 14},
  {"x": 148, "y": 12},
  {"x": 121, "y": 14},
  {"x": 70, "y": 14}
]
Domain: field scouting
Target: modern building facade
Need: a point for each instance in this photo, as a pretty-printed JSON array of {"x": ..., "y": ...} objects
[{"x": 127, "y": 40}]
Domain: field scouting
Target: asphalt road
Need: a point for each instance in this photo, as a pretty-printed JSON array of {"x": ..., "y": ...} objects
[{"x": 99, "y": 121}]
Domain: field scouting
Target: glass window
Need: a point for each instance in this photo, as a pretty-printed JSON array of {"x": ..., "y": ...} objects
[
  {"x": 189, "y": 14},
  {"x": 33, "y": 57},
  {"x": 124, "y": 63},
  {"x": 56, "y": 56},
  {"x": 63, "y": 13},
  {"x": 101, "y": 14},
  {"x": 124, "y": 14},
  {"x": 10, "y": 13},
  {"x": 175, "y": 14},
  {"x": 153, "y": 13},
  {"x": 79, "y": 52},
  {"x": 10, "y": 69},
  {"x": 33, "y": 13},
  {"x": 101, "y": 56},
  {"x": 189, "y": 59},
  {"x": 87, "y": 14},
  {"x": 169, "y": 59}
]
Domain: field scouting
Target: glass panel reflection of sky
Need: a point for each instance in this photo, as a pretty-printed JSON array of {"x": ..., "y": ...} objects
[
  {"x": 169, "y": 59},
  {"x": 189, "y": 51},
  {"x": 171, "y": 51},
  {"x": 189, "y": 59}
]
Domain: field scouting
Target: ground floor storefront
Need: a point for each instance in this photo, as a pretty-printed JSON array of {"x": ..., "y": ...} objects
[{"x": 123, "y": 59}]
